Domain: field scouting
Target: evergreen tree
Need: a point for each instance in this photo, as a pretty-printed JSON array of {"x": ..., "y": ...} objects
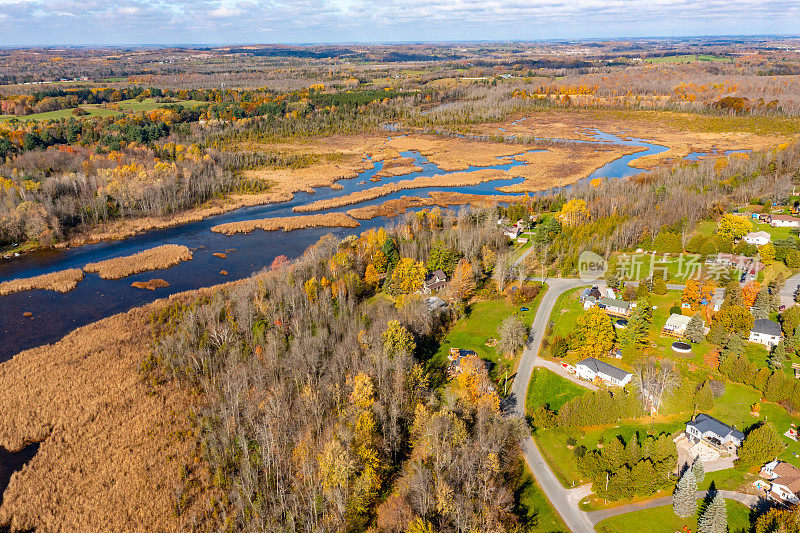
[
  {"x": 684, "y": 502},
  {"x": 694, "y": 330},
  {"x": 761, "y": 444},
  {"x": 659, "y": 286},
  {"x": 715, "y": 518},
  {"x": 734, "y": 347},
  {"x": 762, "y": 304},
  {"x": 698, "y": 470},
  {"x": 733, "y": 294},
  {"x": 778, "y": 356}
]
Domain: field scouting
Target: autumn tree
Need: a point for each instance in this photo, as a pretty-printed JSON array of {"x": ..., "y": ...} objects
[
  {"x": 513, "y": 334},
  {"x": 462, "y": 285},
  {"x": 408, "y": 276},
  {"x": 749, "y": 292},
  {"x": 573, "y": 213},
  {"x": 734, "y": 227},
  {"x": 397, "y": 339},
  {"x": 597, "y": 332}
]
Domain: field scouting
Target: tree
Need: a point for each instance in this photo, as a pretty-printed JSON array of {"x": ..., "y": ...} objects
[
  {"x": 778, "y": 355},
  {"x": 734, "y": 319},
  {"x": 733, "y": 348},
  {"x": 513, "y": 334},
  {"x": 734, "y": 296},
  {"x": 779, "y": 520},
  {"x": 767, "y": 253},
  {"x": 762, "y": 303},
  {"x": 697, "y": 293},
  {"x": 684, "y": 502},
  {"x": 655, "y": 380},
  {"x": 635, "y": 335},
  {"x": 462, "y": 285},
  {"x": 790, "y": 319},
  {"x": 734, "y": 227},
  {"x": 659, "y": 286},
  {"x": 597, "y": 331},
  {"x": 698, "y": 470},
  {"x": 573, "y": 213},
  {"x": 715, "y": 518},
  {"x": 695, "y": 330},
  {"x": 397, "y": 339},
  {"x": 760, "y": 445},
  {"x": 408, "y": 276},
  {"x": 749, "y": 292},
  {"x": 559, "y": 347}
]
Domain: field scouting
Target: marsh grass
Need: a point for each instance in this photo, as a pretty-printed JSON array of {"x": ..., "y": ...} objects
[
  {"x": 156, "y": 258},
  {"x": 61, "y": 281},
  {"x": 332, "y": 220}
]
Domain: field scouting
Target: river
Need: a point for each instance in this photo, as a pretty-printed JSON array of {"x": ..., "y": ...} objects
[{"x": 56, "y": 314}]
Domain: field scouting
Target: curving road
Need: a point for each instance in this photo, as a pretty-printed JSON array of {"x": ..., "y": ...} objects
[{"x": 564, "y": 500}]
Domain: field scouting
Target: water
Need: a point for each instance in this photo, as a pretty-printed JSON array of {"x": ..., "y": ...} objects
[{"x": 55, "y": 314}]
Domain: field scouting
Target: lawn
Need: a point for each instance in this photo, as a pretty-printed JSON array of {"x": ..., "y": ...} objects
[
  {"x": 479, "y": 325},
  {"x": 535, "y": 509},
  {"x": 94, "y": 110},
  {"x": 690, "y": 58},
  {"x": 149, "y": 104},
  {"x": 550, "y": 388},
  {"x": 661, "y": 519},
  {"x": 566, "y": 311}
]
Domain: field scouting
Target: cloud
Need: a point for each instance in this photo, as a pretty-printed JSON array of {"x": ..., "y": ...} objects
[{"x": 169, "y": 21}]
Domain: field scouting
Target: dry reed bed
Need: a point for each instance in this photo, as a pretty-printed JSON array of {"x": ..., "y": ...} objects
[
  {"x": 110, "y": 449},
  {"x": 458, "y": 179},
  {"x": 332, "y": 220},
  {"x": 163, "y": 256},
  {"x": 398, "y": 206},
  {"x": 151, "y": 285},
  {"x": 61, "y": 281}
]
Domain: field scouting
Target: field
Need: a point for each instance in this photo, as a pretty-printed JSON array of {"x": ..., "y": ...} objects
[
  {"x": 479, "y": 325},
  {"x": 536, "y": 508},
  {"x": 61, "y": 281},
  {"x": 94, "y": 110},
  {"x": 692, "y": 58},
  {"x": 661, "y": 519},
  {"x": 548, "y": 387},
  {"x": 330, "y": 220},
  {"x": 156, "y": 258}
]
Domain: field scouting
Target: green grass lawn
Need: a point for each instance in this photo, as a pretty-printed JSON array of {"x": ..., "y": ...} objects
[
  {"x": 688, "y": 58},
  {"x": 148, "y": 104},
  {"x": 565, "y": 312},
  {"x": 63, "y": 113},
  {"x": 550, "y": 388},
  {"x": 479, "y": 325},
  {"x": 535, "y": 509},
  {"x": 663, "y": 519}
]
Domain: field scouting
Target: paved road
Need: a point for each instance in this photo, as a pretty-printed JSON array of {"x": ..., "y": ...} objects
[
  {"x": 562, "y": 499},
  {"x": 596, "y": 516},
  {"x": 787, "y": 293}
]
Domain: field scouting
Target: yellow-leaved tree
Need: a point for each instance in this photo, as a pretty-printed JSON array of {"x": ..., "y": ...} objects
[
  {"x": 597, "y": 331},
  {"x": 574, "y": 213},
  {"x": 734, "y": 227},
  {"x": 408, "y": 276}
]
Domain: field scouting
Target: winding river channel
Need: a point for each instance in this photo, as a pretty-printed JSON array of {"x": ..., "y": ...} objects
[{"x": 55, "y": 314}]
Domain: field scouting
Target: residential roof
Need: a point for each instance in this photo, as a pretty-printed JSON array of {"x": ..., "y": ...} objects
[
  {"x": 788, "y": 476},
  {"x": 436, "y": 279},
  {"x": 707, "y": 423},
  {"x": 766, "y": 327},
  {"x": 613, "y": 302},
  {"x": 601, "y": 367},
  {"x": 677, "y": 321}
]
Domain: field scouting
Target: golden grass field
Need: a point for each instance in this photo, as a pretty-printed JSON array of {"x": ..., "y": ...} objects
[
  {"x": 288, "y": 223},
  {"x": 151, "y": 285},
  {"x": 156, "y": 258},
  {"x": 111, "y": 446},
  {"x": 61, "y": 281}
]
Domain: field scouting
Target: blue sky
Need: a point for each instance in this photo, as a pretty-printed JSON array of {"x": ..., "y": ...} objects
[{"x": 53, "y": 22}]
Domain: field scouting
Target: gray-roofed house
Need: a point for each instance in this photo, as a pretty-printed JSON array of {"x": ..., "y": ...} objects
[
  {"x": 718, "y": 434},
  {"x": 591, "y": 368},
  {"x": 615, "y": 307},
  {"x": 765, "y": 332}
]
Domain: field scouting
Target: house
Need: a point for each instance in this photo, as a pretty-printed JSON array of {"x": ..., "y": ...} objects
[
  {"x": 435, "y": 304},
  {"x": 784, "y": 221},
  {"x": 711, "y": 431},
  {"x": 784, "y": 482},
  {"x": 434, "y": 282},
  {"x": 591, "y": 368},
  {"x": 589, "y": 297},
  {"x": 757, "y": 238},
  {"x": 610, "y": 293},
  {"x": 615, "y": 307},
  {"x": 765, "y": 332},
  {"x": 676, "y": 326}
]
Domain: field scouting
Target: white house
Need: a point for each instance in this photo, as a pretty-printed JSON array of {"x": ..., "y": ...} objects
[
  {"x": 757, "y": 238},
  {"x": 784, "y": 482},
  {"x": 708, "y": 429},
  {"x": 784, "y": 221},
  {"x": 591, "y": 368},
  {"x": 676, "y": 325},
  {"x": 765, "y": 332}
]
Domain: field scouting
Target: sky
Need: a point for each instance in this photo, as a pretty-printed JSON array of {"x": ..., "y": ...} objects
[{"x": 143, "y": 22}]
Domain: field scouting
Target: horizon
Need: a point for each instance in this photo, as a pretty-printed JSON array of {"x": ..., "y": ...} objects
[{"x": 334, "y": 22}]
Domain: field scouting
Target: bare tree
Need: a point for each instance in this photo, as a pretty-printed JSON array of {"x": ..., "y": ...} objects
[{"x": 655, "y": 379}]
